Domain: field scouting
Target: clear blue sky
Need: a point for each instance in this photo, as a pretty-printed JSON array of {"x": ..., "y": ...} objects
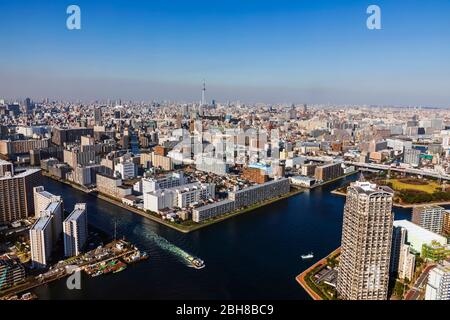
[{"x": 313, "y": 51}]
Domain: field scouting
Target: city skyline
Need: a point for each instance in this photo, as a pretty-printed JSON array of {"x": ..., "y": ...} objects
[{"x": 308, "y": 51}]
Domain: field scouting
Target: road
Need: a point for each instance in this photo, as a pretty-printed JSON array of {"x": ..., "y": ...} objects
[{"x": 419, "y": 285}]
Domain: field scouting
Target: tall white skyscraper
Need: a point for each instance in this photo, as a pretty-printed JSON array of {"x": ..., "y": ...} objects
[
  {"x": 75, "y": 230},
  {"x": 366, "y": 242}
]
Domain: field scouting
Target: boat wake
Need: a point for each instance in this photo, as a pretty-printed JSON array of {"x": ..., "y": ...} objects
[{"x": 162, "y": 243}]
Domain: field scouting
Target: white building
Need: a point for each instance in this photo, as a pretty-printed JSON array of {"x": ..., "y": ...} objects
[
  {"x": 181, "y": 196},
  {"x": 438, "y": 286},
  {"x": 75, "y": 229},
  {"x": 47, "y": 204},
  {"x": 170, "y": 180},
  {"x": 41, "y": 235},
  {"x": 42, "y": 199},
  {"x": 417, "y": 236},
  {"x": 126, "y": 169}
]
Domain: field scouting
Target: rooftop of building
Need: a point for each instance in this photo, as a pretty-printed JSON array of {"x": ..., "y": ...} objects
[
  {"x": 369, "y": 188},
  {"x": 76, "y": 213},
  {"x": 20, "y": 174},
  {"x": 41, "y": 223},
  {"x": 416, "y": 230}
]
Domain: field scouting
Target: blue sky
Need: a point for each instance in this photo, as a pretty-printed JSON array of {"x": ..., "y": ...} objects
[{"x": 313, "y": 51}]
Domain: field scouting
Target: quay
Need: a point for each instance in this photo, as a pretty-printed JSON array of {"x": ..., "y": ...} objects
[
  {"x": 303, "y": 278},
  {"x": 114, "y": 250}
]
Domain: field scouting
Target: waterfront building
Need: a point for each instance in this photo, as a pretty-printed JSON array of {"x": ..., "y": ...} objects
[
  {"x": 258, "y": 193},
  {"x": 438, "y": 285},
  {"x": 328, "y": 172},
  {"x": 112, "y": 186},
  {"x": 47, "y": 204},
  {"x": 302, "y": 181},
  {"x": 212, "y": 210},
  {"x": 41, "y": 241},
  {"x": 75, "y": 230},
  {"x": 12, "y": 272},
  {"x": 42, "y": 199},
  {"x": 180, "y": 197},
  {"x": 16, "y": 193},
  {"x": 308, "y": 169},
  {"x": 416, "y": 236},
  {"x": 430, "y": 217},
  {"x": 79, "y": 156},
  {"x": 366, "y": 242}
]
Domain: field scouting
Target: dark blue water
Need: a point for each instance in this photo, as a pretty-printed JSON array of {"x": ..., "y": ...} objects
[{"x": 252, "y": 256}]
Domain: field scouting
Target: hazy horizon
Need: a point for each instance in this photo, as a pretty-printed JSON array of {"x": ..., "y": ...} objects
[{"x": 315, "y": 52}]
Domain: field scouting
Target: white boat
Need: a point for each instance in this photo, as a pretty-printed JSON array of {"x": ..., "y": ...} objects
[{"x": 308, "y": 256}]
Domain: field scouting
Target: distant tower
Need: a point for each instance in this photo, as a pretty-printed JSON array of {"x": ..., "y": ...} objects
[{"x": 203, "y": 93}]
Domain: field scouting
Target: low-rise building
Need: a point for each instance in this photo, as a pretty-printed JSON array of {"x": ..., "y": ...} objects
[{"x": 212, "y": 210}]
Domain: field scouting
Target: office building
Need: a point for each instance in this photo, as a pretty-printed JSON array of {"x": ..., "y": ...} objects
[
  {"x": 366, "y": 242},
  {"x": 75, "y": 230}
]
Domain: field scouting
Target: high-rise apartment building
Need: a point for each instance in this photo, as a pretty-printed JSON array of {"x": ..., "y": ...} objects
[
  {"x": 366, "y": 242},
  {"x": 16, "y": 193},
  {"x": 429, "y": 217},
  {"x": 41, "y": 241},
  {"x": 75, "y": 231},
  {"x": 438, "y": 286}
]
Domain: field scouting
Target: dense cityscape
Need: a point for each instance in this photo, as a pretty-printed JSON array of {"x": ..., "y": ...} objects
[
  {"x": 189, "y": 166},
  {"x": 224, "y": 159}
]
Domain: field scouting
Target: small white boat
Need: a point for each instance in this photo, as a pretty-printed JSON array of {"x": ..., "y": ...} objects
[{"x": 308, "y": 256}]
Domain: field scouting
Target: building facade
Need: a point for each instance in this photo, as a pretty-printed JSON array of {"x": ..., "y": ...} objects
[
  {"x": 75, "y": 229},
  {"x": 366, "y": 243}
]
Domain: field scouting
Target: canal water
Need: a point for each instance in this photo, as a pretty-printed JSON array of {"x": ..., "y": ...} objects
[{"x": 252, "y": 256}]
